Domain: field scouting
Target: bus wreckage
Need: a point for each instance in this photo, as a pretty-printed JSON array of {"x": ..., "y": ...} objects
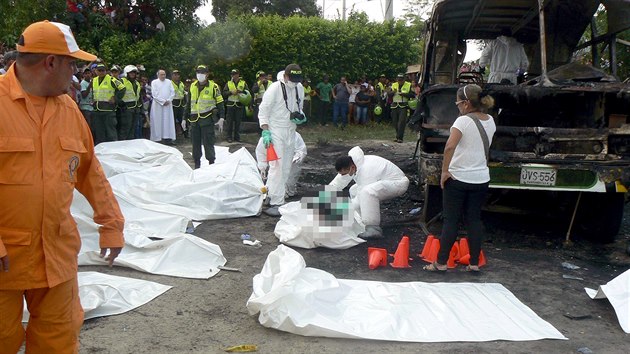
[{"x": 563, "y": 135}]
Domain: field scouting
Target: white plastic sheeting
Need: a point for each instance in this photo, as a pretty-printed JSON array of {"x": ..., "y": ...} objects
[
  {"x": 300, "y": 227},
  {"x": 155, "y": 177},
  {"x": 617, "y": 291},
  {"x": 159, "y": 195},
  {"x": 311, "y": 302},
  {"x": 106, "y": 295}
]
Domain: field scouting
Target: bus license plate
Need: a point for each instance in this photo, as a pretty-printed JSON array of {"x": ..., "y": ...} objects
[{"x": 538, "y": 176}]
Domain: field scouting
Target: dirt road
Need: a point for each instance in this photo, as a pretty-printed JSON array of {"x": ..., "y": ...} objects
[{"x": 524, "y": 254}]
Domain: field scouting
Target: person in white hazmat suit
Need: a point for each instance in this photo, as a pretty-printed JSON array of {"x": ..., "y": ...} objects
[
  {"x": 279, "y": 113},
  {"x": 296, "y": 164},
  {"x": 506, "y": 58},
  {"x": 376, "y": 179}
]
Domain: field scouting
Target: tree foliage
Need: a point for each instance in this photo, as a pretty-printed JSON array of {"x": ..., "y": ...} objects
[
  {"x": 623, "y": 51},
  {"x": 222, "y": 9},
  {"x": 353, "y": 48}
]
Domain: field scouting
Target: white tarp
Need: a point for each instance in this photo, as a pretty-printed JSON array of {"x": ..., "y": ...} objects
[
  {"x": 159, "y": 195},
  {"x": 617, "y": 291},
  {"x": 307, "y": 301},
  {"x": 300, "y": 227},
  {"x": 155, "y": 177},
  {"x": 106, "y": 295}
]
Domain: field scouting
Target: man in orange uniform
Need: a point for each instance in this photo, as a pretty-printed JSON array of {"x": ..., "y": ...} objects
[{"x": 46, "y": 151}]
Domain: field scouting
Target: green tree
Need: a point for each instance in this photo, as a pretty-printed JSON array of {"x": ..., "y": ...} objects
[
  {"x": 222, "y": 9},
  {"x": 623, "y": 50}
]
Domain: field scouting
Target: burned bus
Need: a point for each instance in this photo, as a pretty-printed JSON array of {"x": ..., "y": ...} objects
[{"x": 563, "y": 135}]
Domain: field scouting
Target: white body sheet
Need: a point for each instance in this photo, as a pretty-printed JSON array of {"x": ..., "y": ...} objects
[
  {"x": 617, "y": 291},
  {"x": 298, "y": 227},
  {"x": 106, "y": 295},
  {"x": 159, "y": 195},
  {"x": 311, "y": 302}
]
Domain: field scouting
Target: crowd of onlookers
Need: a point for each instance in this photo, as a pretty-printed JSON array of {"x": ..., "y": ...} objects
[
  {"x": 346, "y": 102},
  {"x": 140, "y": 18}
]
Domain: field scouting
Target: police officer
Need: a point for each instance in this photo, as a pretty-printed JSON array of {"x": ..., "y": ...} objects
[
  {"x": 308, "y": 93},
  {"x": 107, "y": 90},
  {"x": 179, "y": 101},
  {"x": 235, "y": 109},
  {"x": 258, "y": 89},
  {"x": 131, "y": 109},
  {"x": 401, "y": 93},
  {"x": 381, "y": 98},
  {"x": 206, "y": 104}
]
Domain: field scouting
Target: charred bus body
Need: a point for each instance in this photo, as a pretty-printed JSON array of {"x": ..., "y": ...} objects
[{"x": 563, "y": 136}]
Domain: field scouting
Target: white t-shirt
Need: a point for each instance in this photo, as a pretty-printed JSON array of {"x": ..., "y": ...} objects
[{"x": 469, "y": 163}]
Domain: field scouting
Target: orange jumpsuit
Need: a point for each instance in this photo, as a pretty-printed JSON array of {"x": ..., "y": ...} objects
[{"x": 46, "y": 152}]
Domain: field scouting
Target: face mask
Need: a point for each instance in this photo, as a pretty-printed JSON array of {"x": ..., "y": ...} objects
[
  {"x": 291, "y": 84},
  {"x": 201, "y": 77}
]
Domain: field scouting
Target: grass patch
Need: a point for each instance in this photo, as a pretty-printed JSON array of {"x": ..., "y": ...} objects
[{"x": 322, "y": 136}]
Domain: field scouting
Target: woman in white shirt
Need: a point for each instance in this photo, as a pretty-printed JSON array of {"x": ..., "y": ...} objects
[{"x": 465, "y": 174}]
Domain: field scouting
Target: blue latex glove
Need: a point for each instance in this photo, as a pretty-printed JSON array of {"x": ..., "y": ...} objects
[{"x": 266, "y": 135}]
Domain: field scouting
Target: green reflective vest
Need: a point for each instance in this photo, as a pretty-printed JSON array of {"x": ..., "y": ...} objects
[
  {"x": 131, "y": 96},
  {"x": 179, "y": 93},
  {"x": 202, "y": 103},
  {"x": 240, "y": 86},
  {"x": 105, "y": 91},
  {"x": 261, "y": 90},
  {"x": 398, "y": 99},
  {"x": 307, "y": 93}
]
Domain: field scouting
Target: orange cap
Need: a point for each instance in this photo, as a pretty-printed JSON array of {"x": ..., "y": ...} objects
[{"x": 51, "y": 38}]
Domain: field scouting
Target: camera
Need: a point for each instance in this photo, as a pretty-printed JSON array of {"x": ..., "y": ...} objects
[{"x": 297, "y": 115}]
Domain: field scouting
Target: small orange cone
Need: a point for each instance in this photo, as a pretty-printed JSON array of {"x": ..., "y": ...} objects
[
  {"x": 434, "y": 249},
  {"x": 482, "y": 259},
  {"x": 453, "y": 256},
  {"x": 463, "y": 248},
  {"x": 401, "y": 257},
  {"x": 427, "y": 246},
  {"x": 377, "y": 257},
  {"x": 271, "y": 154}
]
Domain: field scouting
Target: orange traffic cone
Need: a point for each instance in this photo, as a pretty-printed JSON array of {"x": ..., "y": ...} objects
[
  {"x": 463, "y": 248},
  {"x": 377, "y": 257},
  {"x": 434, "y": 249},
  {"x": 401, "y": 257},
  {"x": 482, "y": 259},
  {"x": 427, "y": 246},
  {"x": 453, "y": 256},
  {"x": 271, "y": 154}
]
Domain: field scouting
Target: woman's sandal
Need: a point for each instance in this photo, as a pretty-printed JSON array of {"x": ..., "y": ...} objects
[
  {"x": 434, "y": 267},
  {"x": 472, "y": 268}
]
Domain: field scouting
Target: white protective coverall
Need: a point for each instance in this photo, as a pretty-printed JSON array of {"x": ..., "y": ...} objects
[
  {"x": 505, "y": 56},
  {"x": 274, "y": 112},
  {"x": 376, "y": 179},
  {"x": 296, "y": 165}
]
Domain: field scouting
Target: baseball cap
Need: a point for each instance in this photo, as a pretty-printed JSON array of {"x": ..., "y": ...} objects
[
  {"x": 234, "y": 71},
  {"x": 51, "y": 38},
  {"x": 400, "y": 76},
  {"x": 260, "y": 72},
  {"x": 365, "y": 84},
  {"x": 175, "y": 71},
  {"x": 202, "y": 68},
  {"x": 294, "y": 72},
  {"x": 100, "y": 67},
  {"x": 382, "y": 75},
  {"x": 115, "y": 68}
]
